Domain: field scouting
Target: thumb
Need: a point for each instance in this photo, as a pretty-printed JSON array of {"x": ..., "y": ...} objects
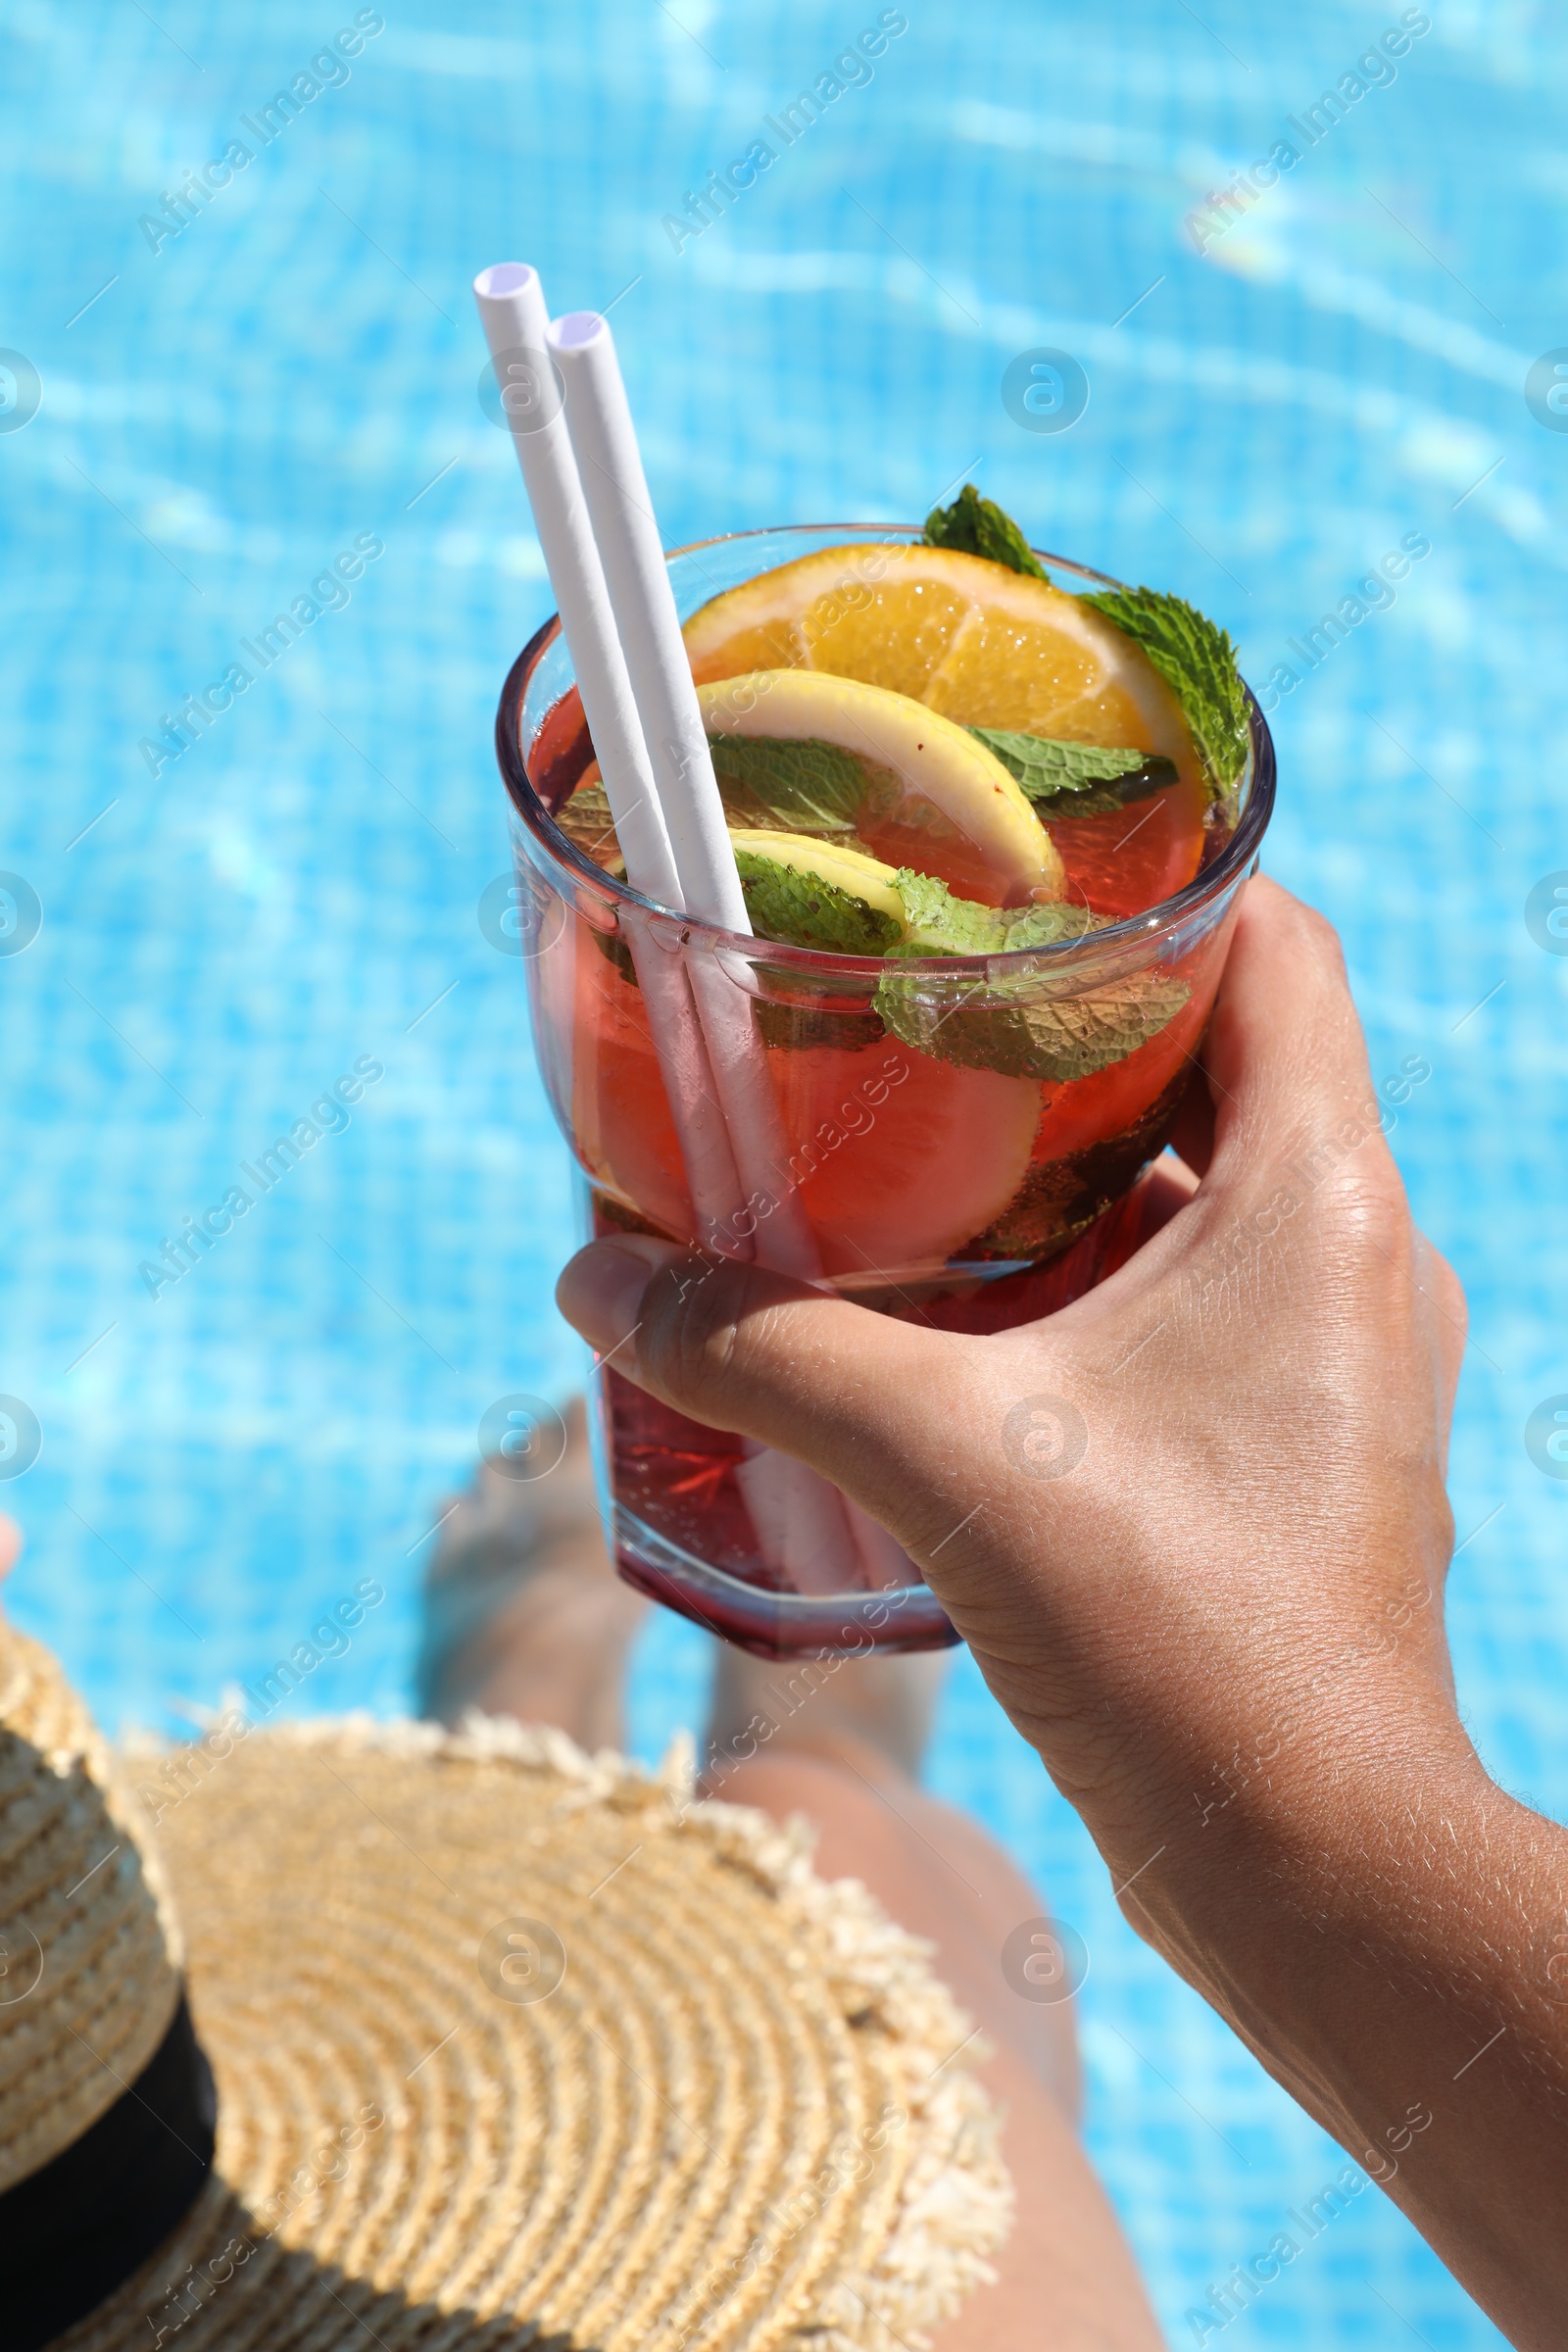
[{"x": 876, "y": 1406}]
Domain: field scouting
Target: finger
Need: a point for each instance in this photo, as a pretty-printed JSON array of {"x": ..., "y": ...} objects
[
  {"x": 11, "y": 1540},
  {"x": 1285, "y": 1053},
  {"x": 875, "y": 1404}
]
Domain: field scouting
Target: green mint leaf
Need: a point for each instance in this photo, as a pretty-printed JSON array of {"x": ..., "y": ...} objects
[
  {"x": 1076, "y": 779},
  {"x": 1047, "y": 925},
  {"x": 804, "y": 912},
  {"x": 1198, "y": 663},
  {"x": 943, "y": 925},
  {"x": 1007, "y": 1027},
  {"x": 808, "y": 786},
  {"x": 977, "y": 526}
]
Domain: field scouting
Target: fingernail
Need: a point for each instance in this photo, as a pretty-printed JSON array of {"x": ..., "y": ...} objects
[{"x": 601, "y": 1292}]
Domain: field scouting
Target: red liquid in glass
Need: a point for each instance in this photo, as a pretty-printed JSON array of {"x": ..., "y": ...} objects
[{"x": 872, "y": 1109}]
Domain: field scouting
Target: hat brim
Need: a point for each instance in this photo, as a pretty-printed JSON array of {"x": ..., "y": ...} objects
[{"x": 513, "y": 2044}]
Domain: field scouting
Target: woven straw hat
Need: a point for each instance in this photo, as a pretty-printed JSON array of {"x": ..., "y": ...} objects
[{"x": 511, "y": 2046}]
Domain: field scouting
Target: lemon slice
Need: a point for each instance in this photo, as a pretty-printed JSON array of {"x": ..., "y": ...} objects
[
  {"x": 849, "y": 872},
  {"x": 985, "y": 646},
  {"x": 935, "y": 798}
]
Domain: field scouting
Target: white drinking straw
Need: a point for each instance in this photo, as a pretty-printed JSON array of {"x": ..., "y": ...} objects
[
  {"x": 610, "y": 467},
  {"x": 515, "y": 320},
  {"x": 800, "y": 1520}
]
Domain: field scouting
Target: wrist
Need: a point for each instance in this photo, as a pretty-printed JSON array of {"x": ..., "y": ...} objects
[
  {"x": 1323, "y": 1900},
  {"x": 1332, "y": 1824},
  {"x": 1235, "y": 1749}
]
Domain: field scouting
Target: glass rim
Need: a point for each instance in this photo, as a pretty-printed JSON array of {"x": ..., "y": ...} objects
[{"x": 1128, "y": 931}]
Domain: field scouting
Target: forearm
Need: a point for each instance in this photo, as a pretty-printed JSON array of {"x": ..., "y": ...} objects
[{"x": 1389, "y": 1933}]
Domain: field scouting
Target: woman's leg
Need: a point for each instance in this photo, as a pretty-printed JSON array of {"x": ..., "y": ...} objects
[{"x": 841, "y": 1751}]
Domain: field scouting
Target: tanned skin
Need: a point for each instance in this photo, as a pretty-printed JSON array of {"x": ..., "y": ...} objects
[{"x": 1221, "y": 1624}]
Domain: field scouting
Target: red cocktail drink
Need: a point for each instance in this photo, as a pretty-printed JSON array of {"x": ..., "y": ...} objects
[{"x": 970, "y": 1074}]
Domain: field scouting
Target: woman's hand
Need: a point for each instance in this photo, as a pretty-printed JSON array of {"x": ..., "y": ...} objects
[
  {"x": 1182, "y": 1519},
  {"x": 1194, "y": 1530}
]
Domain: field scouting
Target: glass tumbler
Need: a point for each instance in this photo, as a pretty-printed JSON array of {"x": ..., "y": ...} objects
[{"x": 938, "y": 1190}]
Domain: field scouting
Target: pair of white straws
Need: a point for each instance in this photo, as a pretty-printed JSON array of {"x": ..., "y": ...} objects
[
  {"x": 585, "y": 481},
  {"x": 562, "y": 396}
]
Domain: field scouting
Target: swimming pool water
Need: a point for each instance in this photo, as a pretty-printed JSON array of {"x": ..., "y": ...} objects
[{"x": 227, "y": 409}]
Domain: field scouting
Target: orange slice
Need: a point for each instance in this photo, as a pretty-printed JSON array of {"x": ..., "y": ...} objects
[
  {"x": 984, "y": 646},
  {"x": 899, "y": 1157},
  {"x": 897, "y": 1198}
]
